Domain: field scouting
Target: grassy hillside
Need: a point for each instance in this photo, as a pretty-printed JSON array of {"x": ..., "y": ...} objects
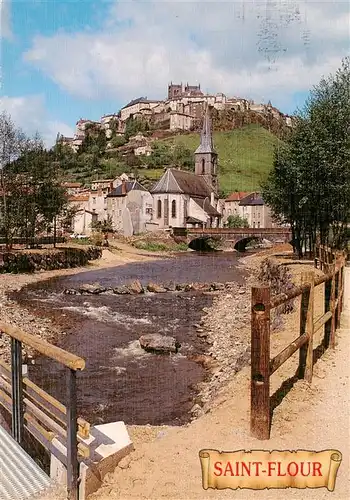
[
  {"x": 245, "y": 159},
  {"x": 245, "y": 156}
]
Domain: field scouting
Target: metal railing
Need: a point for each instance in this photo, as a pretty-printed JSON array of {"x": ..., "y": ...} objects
[
  {"x": 262, "y": 367},
  {"x": 39, "y": 413}
]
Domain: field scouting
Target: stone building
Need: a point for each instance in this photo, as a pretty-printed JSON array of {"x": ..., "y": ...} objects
[
  {"x": 187, "y": 199},
  {"x": 136, "y": 106},
  {"x": 254, "y": 209},
  {"x": 130, "y": 207},
  {"x": 231, "y": 206},
  {"x": 179, "y": 90}
]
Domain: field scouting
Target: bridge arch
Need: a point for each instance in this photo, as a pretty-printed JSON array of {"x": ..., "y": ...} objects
[
  {"x": 202, "y": 244},
  {"x": 240, "y": 245}
]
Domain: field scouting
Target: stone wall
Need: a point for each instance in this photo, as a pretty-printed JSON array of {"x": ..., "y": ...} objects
[{"x": 63, "y": 258}]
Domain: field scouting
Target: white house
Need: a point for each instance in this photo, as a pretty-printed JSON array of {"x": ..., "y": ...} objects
[{"x": 130, "y": 207}]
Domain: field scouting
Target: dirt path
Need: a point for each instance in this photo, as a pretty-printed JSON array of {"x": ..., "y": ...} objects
[{"x": 312, "y": 417}]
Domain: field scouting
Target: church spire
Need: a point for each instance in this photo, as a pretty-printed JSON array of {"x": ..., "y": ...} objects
[{"x": 206, "y": 145}]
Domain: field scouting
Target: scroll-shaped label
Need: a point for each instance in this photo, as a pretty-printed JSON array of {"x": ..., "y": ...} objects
[{"x": 259, "y": 469}]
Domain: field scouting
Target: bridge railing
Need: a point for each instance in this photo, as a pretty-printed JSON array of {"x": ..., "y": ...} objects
[
  {"x": 262, "y": 367},
  {"x": 237, "y": 230},
  {"x": 52, "y": 424}
]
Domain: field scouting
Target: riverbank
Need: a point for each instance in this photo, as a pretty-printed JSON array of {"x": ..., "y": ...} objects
[
  {"x": 315, "y": 417},
  {"x": 13, "y": 314}
]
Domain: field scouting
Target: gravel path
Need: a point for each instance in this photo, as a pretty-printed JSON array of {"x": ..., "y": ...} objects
[{"x": 312, "y": 417}]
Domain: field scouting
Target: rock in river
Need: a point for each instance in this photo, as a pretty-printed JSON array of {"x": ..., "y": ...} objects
[
  {"x": 153, "y": 287},
  {"x": 94, "y": 289},
  {"x": 157, "y": 343},
  {"x": 136, "y": 287}
]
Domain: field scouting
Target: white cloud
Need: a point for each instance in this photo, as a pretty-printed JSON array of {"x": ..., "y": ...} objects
[
  {"x": 28, "y": 113},
  {"x": 264, "y": 50},
  {"x": 5, "y": 20}
]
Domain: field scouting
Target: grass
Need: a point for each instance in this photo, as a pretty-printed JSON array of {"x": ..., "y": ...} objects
[
  {"x": 245, "y": 156},
  {"x": 153, "y": 246}
]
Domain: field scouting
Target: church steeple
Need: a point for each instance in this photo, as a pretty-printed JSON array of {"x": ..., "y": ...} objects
[
  {"x": 206, "y": 145},
  {"x": 205, "y": 154}
]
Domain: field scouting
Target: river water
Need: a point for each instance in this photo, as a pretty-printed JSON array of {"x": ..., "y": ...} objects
[{"x": 121, "y": 381}]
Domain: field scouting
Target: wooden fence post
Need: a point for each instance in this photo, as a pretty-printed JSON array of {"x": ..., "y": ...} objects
[
  {"x": 332, "y": 308},
  {"x": 310, "y": 330},
  {"x": 260, "y": 417},
  {"x": 327, "y": 300},
  {"x": 307, "y": 326}
]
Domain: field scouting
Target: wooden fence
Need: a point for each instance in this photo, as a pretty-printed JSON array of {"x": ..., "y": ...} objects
[
  {"x": 262, "y": 367},
  {"x": 52, "y": 424}
]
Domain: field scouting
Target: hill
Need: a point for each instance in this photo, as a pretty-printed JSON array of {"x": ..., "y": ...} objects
[
  {"x": 245, "y": 158},
  {"x": 245, "y": 155}
]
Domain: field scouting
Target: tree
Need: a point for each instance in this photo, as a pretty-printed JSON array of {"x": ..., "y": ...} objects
[
  {"x": 309, "y": 185},
  {"x": 12, "y": 143},
  {"x": 236, "y": 221},
  {"x": 32, "y": 192},
  {"x": 135, "y": 125},
  {"x": 183, "y": 157}
]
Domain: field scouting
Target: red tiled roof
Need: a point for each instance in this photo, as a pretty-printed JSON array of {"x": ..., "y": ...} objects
[
  {"x": 237, "y": 195},
  {"x": 72, "y": 184}
]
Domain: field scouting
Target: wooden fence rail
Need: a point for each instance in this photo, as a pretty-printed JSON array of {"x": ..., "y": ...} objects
[
  {"x": 43, "y": 416},
  {"x": 262, "y": 367}
]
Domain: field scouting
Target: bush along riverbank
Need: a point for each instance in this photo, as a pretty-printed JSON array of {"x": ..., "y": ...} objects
[
  {"x": 225, "y": 327},
  {"x": 62, "y": 258}
]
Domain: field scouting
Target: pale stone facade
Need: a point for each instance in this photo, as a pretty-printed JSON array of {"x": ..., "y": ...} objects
[
  {"x": 130, "y": 208},
  {"x": 258, "y": 214}
]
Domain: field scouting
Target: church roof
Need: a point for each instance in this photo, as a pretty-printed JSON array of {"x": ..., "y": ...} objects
[
  {"x": 206, "y": 145},
  {"x": 204, "y": 203},
  {"x": 179, "y": 181}
]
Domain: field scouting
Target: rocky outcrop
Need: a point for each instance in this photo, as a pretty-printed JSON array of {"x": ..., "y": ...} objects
[{"x": 159, "y": 344}]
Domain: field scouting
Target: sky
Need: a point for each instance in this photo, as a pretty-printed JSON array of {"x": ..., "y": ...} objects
[{"x": 62, "y": 60}]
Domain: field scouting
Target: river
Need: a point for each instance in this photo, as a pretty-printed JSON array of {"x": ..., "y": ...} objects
[{"x": 121, "y": 381}]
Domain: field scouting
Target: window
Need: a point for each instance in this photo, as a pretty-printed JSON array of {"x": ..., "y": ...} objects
[
  {"x": 159, "y": 209},
  {"x": 203, "y": 165},
  {"x": 259, "y": 224},
  {"x": 94, "y": 201},
  {"x": 173, "y": 209},
  {"x": 149, "y": 211}
]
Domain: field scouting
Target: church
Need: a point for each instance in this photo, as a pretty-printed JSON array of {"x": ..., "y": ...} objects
[{"x": 187, "y": 199}]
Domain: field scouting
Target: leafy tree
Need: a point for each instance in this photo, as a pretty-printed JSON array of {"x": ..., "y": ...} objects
[
  {"x": 183, "y": 157},
  {"x": 32, "y": 192},
  {"x": 161, "y": 155},
  {"x": 117, "y": 141},
  {"x": 236, "y": 221},
  {"x": 309, "y": 185},
  {"x": 135, "y": 125}
]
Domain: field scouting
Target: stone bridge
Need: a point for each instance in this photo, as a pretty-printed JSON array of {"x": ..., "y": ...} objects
[{"x": 236, "y": 238}]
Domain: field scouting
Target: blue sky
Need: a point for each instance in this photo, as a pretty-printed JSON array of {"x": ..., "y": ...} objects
[{"x": 62, "y": 60}]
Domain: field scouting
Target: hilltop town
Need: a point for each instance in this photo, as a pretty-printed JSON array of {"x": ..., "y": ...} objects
[
  {"x": 179, "y": 198},
  {"x": 181, "y": 111}
]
